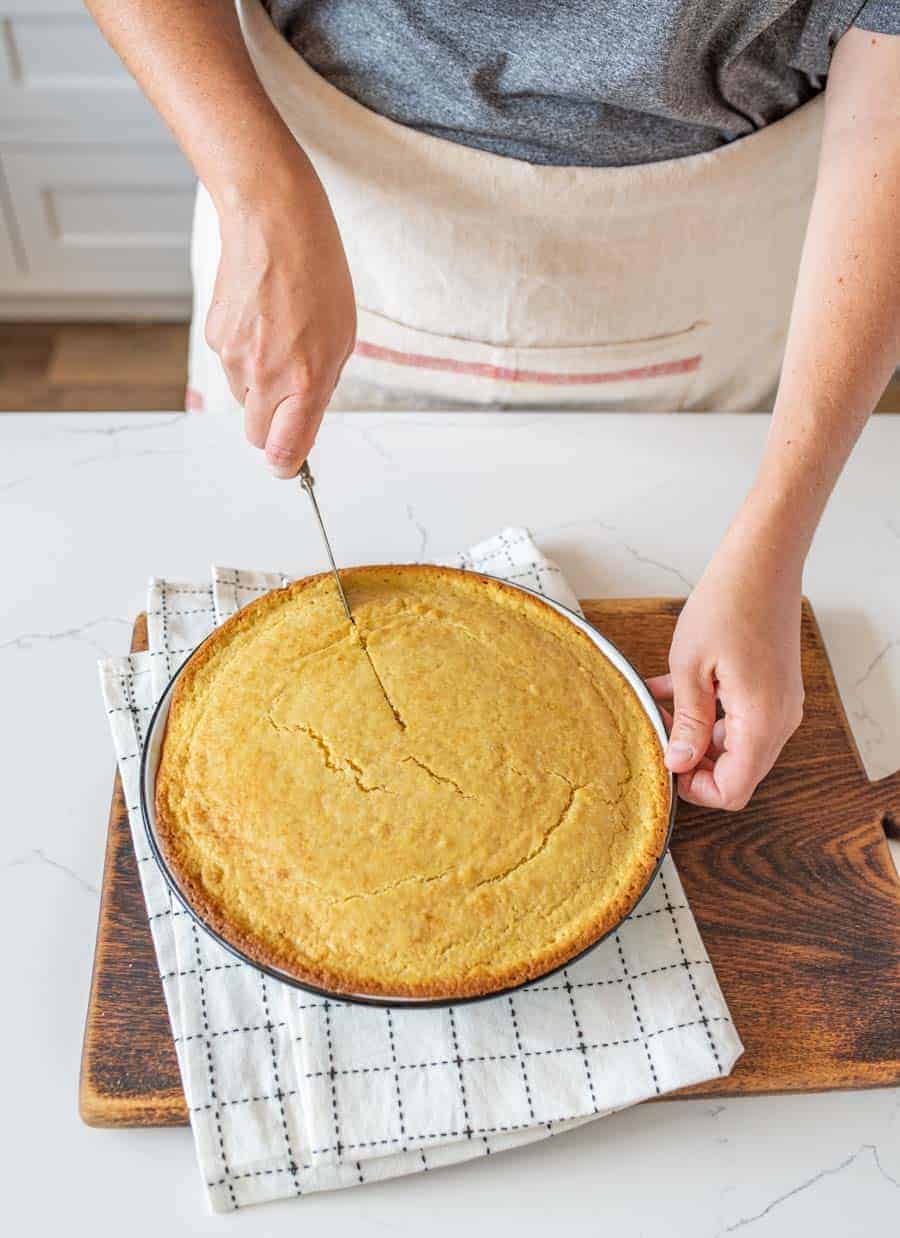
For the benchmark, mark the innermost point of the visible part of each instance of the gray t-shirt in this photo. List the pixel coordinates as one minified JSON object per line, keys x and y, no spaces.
{"x":600,"y":83}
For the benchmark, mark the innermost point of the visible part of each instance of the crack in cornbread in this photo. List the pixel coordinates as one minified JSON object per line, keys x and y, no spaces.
{"x":455,"y":796}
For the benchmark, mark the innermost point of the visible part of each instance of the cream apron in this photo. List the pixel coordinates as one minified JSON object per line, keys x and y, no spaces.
{"x":485,"y":279}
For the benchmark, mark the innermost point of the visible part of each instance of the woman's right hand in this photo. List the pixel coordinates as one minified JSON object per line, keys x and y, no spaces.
{"x":283,"y":314}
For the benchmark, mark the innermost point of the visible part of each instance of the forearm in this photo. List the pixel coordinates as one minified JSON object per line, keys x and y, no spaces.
{"x":282,"y":315}
{"x":191,"y":62}
{"x":844,"y":337}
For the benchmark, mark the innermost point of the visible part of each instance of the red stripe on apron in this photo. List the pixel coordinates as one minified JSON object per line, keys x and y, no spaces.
{"x":479,"y":369}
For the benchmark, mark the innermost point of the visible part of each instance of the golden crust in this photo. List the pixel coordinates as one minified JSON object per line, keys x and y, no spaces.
{"x":458,"y":799}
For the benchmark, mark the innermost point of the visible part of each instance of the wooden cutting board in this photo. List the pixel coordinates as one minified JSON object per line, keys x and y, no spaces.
{"x":796,"y":897}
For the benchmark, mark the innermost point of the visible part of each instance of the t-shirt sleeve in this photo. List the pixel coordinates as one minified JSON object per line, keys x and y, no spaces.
{"x":879,"y":16}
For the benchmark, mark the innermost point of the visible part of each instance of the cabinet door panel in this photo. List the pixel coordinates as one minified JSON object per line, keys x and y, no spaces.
{"x":59,"y":79}
{"x":101,"y":219}
{"x":10,"y":271}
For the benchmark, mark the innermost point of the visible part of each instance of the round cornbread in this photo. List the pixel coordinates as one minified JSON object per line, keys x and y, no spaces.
{"x":455,"y":797}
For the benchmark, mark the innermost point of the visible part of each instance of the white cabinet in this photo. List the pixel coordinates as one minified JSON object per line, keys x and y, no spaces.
{"x":95,"y":197}
{"x":99,"y":218}
{"x":9,"y":259}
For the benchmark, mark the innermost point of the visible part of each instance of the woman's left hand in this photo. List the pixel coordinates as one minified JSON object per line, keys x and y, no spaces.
{"x":736,"y":646}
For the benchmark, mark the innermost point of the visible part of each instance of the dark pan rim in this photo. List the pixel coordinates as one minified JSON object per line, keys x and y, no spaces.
{"x":401,"y":1003}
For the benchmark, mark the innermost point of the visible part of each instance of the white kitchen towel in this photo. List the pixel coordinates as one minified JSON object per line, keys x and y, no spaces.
{"x":289,"y":1093}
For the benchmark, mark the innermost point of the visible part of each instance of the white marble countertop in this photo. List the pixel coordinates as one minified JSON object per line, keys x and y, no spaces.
{"x":91,"y":505}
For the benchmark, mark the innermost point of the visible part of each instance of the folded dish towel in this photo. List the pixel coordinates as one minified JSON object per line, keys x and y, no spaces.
{"x":290,"y":1093}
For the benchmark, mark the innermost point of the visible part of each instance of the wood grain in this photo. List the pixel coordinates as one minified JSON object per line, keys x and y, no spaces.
{"x":129,"y":1073}
{"x":796,"y":897}
{"x":95,"y":367}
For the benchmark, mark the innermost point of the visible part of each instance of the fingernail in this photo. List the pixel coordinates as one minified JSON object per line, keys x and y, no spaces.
{"x":677,"y":752}
{"x":282,"y":471}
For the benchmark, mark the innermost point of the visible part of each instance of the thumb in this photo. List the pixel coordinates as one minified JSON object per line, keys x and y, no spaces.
{"x":693,"y":717}
{"x":291,"y":434}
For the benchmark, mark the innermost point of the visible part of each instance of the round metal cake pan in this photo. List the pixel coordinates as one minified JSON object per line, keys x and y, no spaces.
{"x":150,"y":763}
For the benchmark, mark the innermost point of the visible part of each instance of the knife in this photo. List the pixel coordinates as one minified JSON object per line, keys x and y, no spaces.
{"x":307,"y":481}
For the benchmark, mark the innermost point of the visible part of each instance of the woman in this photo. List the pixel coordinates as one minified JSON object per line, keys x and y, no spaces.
{"x":597,"y":203}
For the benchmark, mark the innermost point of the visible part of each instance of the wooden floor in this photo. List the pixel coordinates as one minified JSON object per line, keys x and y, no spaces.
{"x":119,"y":366}
{"x":95,"y":366}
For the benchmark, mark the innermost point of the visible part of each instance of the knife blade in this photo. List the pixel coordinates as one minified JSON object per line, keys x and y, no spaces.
{"x":307,"y":481}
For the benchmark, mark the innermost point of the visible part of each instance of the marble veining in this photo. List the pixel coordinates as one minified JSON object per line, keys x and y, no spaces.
{"x":869,"y":1149}
{"x":37,"y":856}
